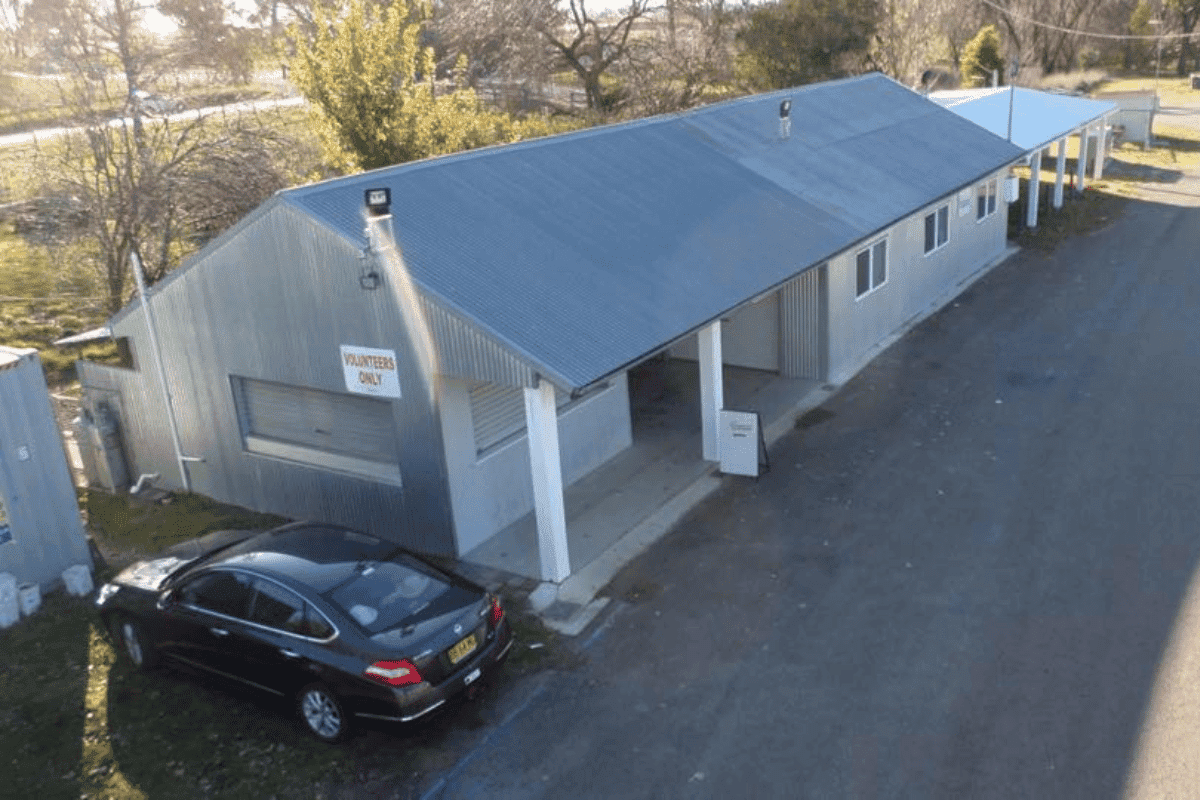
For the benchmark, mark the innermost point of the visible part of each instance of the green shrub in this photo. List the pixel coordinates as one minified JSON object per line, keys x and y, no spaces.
{"x":981,"y":56}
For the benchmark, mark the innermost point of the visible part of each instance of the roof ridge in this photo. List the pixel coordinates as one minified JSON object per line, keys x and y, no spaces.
{"x":583,"y":133}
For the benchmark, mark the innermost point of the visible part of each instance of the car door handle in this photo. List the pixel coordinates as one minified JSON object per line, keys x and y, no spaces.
{"x":289,"y":653}
{"x":219,"y":632}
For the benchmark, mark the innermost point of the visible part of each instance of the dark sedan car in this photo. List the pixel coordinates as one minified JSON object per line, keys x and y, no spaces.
{"x":342,"y":622}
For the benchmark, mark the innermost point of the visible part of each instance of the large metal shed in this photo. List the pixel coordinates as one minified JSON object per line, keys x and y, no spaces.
{"x":41,"y":533}
{"x":438,"y":373}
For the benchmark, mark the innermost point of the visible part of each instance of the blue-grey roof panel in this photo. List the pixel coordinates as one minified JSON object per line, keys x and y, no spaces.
{"x":1031,"y":118}
{"x":586,"y":252}
{"x":866,"y":149}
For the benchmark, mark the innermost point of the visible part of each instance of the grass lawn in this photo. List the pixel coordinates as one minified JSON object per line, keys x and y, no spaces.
{"x":18,"y":179}
{"x":1170,"y":88}
{"x":46,"y":293}
{"x":76,"y":721}
{"x":1129,"y":168}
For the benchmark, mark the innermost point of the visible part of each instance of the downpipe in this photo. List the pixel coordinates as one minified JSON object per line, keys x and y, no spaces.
{"x":143,"y":481}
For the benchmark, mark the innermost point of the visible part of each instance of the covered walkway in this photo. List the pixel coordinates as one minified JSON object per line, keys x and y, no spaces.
{"x":1034,"y":121}
{"x":611,"y":501}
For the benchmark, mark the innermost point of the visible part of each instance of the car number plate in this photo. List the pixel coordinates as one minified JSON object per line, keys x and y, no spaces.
{"x":462,"y":649}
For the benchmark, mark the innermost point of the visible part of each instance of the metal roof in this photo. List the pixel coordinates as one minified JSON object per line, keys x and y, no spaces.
{"x":11,"y":356}
{"x":1038,"y":118}
{"x":94,"y":335}
{"x":587,"y":252}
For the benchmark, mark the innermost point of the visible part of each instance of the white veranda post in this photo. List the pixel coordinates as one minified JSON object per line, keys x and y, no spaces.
{"x":712,"y":388}
{"x":1060,"y":170}
{"x":1081,"y":162}
{"x":1035,"y":189}
{"x":541,"y":421}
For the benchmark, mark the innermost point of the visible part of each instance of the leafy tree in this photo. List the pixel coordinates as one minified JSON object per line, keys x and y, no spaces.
{"x":371,"y":84}
{"x":1188,"y":12}
{"x":209,"y":39}
{"x":980,"y":56}
{"x":1138,"y":53}
{"x":802,"y":41}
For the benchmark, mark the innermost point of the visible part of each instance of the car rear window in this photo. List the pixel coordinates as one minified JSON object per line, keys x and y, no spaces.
{"x":389,"y":594}
{"x":318,"y":544}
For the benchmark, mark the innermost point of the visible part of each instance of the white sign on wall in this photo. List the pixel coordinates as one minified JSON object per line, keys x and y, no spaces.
{"x":965,"y":198}
{"x":369,"y":370}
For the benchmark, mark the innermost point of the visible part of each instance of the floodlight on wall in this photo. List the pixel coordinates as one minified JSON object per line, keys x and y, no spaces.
{"x":379,"y":205}
{"x":378,"y":201}
{"x":785,"y":120}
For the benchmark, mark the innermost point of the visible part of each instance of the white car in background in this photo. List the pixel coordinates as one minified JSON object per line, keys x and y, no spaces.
{"x":155,"y":104}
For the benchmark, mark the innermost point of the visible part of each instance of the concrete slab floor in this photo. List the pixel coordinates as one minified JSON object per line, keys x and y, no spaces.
{"x":662,"y":463}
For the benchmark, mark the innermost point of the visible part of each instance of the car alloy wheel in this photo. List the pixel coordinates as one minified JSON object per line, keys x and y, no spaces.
{"x":134,"y":644}
{"x":322,"y":713}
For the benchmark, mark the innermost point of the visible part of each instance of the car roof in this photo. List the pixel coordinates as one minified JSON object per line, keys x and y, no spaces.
{"x":316,"y":555}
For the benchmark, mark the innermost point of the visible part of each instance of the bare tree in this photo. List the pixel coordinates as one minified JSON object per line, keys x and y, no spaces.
{"x":913,"y":35}
{"x":1053,"y":45}
{"x":960,"y":23}
{"x":12,"y":23}
{"x":1188,"y":14}
{"x":590,"y":47}
{"x":499,"y":38}
{"x":56,"y":28}
{"x":665,"y":73}
{"x":118,"y":32}
{"x":208,"y":38}
{"x":154,"y":186}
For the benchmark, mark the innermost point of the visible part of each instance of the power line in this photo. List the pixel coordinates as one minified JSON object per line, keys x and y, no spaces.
{"x":1092,"y":34}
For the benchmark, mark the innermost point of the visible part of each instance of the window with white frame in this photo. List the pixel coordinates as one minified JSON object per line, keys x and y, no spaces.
{"x":937,"y":228}
{"x":985,"y":199}
{"x":871,"y":264}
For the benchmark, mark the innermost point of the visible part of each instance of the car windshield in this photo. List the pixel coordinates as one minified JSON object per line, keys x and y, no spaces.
{"x":390,"y":594}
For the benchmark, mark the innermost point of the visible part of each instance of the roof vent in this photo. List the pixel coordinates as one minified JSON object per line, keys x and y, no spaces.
{"x":785,"y":122}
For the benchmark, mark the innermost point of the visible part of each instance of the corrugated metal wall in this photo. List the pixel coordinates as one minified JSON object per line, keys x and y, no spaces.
{"x":463,"y":351}
{"x":280,"y":320}
{"x":35,"y":482}
{"x":804,"y":325}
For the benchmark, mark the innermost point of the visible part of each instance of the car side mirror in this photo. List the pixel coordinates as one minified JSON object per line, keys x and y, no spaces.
{"x":165,"y":599}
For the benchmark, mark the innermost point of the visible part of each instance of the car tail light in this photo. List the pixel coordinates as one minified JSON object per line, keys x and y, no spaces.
{"x":393,"y":673}
{"x":497,"y":610}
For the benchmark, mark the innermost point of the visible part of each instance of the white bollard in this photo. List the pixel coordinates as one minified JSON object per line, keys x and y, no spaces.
{"x":30,"y":596}
{"x":8,"y":601}
{"x":78,"y":580}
